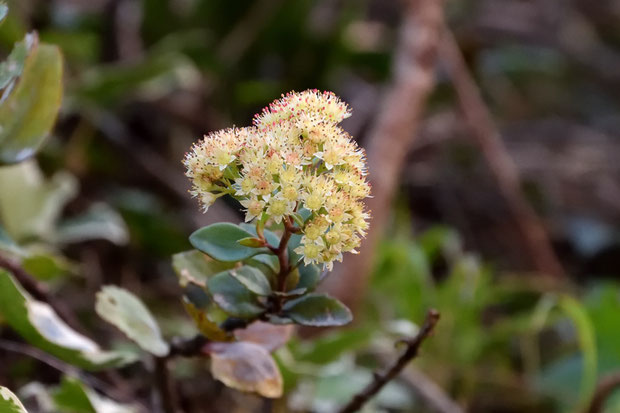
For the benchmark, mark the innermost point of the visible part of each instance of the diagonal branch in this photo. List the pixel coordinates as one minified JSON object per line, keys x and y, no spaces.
{"x":381,"y":379}
{"x":604,"y":390}
{"x":480,"y":121}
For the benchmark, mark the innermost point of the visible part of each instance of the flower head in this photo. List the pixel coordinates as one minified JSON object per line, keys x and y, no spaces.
{"x":296,"y":158}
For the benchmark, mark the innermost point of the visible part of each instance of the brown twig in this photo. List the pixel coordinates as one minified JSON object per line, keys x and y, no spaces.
{"x":165,"y":386}
{"x":479,"y":119}
{"x":605,"y":388}
{"x":40,"y":292}
{"x":392,"y":135}
{"x":381,"y":379}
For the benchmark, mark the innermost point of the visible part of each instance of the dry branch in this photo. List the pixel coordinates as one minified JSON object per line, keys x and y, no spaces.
{"x":479,"y":119}
{"x":393,"y":134}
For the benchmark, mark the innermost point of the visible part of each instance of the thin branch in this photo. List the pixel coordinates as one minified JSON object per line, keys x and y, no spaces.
{"x":605,"y":388}
{"x":40,"y":292}
{"x":381,"y":379}
{"x":165,"y":386}
{"x":480,"y":121}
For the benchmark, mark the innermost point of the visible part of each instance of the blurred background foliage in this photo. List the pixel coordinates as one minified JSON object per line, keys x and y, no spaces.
{"x":105,"y":200}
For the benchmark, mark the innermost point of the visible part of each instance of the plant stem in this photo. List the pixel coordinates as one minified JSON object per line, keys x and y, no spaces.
{"x":165,"y":386}
{"x":380,"y":380}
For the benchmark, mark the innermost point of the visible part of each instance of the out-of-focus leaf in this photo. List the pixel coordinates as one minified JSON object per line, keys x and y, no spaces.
{"x":194,"y":266}
{"x":319,"y":310}
{"x":4,"y":10}
{"x":46,"y":265}
{"x":252,"y":279}
{"x":125,"y":311}
{"x":9,"y":403}
{"x":30,"y":205}
{"x":38,"y":324}
{"x":207,"y":327}
{"x":13,"y":66}
{"x":152,"y":78}
{"x":99,"y":222}
{"x":232,"y":297}
{"x":268,"y":335}
{"x":7,"y":243}
{"x":29,"y":112}
{"x":220,"y":241}
{"x":75,"y":397}
{"x":587,"y":342}
{"x":247,"y":367}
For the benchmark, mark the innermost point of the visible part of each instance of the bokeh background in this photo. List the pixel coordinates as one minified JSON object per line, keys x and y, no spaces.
{"x":530,"y":323}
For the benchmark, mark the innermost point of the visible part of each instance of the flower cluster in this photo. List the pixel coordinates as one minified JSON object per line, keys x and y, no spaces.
{"x":295,"y":162}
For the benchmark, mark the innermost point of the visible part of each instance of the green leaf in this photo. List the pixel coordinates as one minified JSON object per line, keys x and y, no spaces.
{"x":31,"y":204}
{"x":270,"y":236}
{"x":247,"y":367}
{"x":29,"y":112}
{"x":319,"y":310}
{"x":38,"y":324}
{"x":309,"y":277}
{"x":587,"y":342}
{"x":220,"y":241}
{"x":9,"y":403}
{"x":232,"y":296}
{"x":100,"y":221}
{"x":194,"y":266}
{"x":204,"y":324}
{"x":13,"y":66}
{"x":74,"y":396}
{"x":125,"y":311}
{"x":252,"y":279}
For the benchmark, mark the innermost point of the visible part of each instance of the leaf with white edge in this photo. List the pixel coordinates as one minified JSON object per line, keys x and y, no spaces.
{"x":39,"y":325}
{"x":195,"y":266}
{"x":268,"y":335}
{"x":220,"y":241}
{"x":247,"y":367}
{"x":232,"y":297}
{"x":318,"y":310}
{"x":125,"y":311}
{"x":13,"y":66}
{"x":30,"y":110}
{"x":9,"y":403}
{"x":74,"y":396}
{"x":4,"y":10}
{"x":252,"y":279}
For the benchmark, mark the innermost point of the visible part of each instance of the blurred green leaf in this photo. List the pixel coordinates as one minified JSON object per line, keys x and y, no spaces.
{"x":309,"y":276}
{"x":252,"y":279}
{"x":232,"y":297}
{"x":73,"y":396}
{"x":100,"y":221}
{"x":247,"y":367}
{"x":319,"y":310}
{"x":38,"y":324}
{"x":29,"y":112}
{"x":201,"y":319}
{"x":7,"y":243}
{"x":47,"y":266}
{"x":11,"y":69}
{"x":9,"y":403}
{"x":197,"y":267}
{"x":30,"y":205}
{"x":220,"y":241}
{"x":125,"y":311}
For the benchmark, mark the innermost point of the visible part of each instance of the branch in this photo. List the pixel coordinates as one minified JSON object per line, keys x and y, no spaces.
{"x":165,"y":386}
{"x":40,"y":292}
{"x":605,"y":388}
{"x":480,"y":121}
{"x":380,"y":380}
{"x":392,"y":135}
